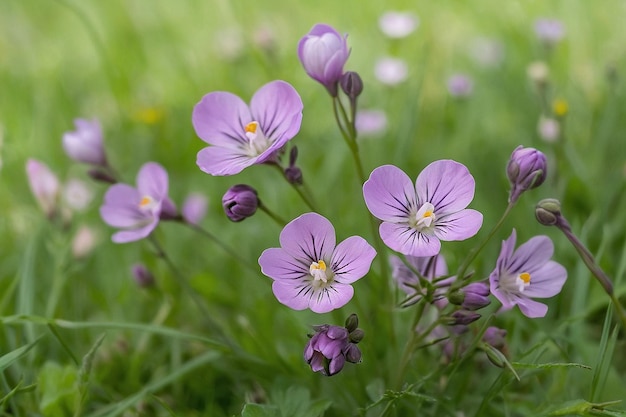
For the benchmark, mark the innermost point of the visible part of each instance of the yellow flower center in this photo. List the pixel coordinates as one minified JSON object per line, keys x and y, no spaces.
{"x":318,"y":271}
{"x":424,"y":218}
{"x":146,"y":203}
{"x":522,"y":281}
{"x":258,"y":142}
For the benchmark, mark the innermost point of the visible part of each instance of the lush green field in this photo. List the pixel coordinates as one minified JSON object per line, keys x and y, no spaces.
{"x":80,"y":337}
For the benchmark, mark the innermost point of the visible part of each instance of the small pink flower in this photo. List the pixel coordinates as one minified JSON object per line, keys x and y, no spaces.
{"x":44,"y":185}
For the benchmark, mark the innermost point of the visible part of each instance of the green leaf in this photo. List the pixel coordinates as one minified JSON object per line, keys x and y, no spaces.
{"x":57,"y":387}
{"x":260,"y":410}
{"x":7,"y":359}
{"x":549,"y":365}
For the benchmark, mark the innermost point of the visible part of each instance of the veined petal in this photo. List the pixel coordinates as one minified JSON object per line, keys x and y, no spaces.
{"x":219,"y":119}
{"x":278,"y":108}
{"x":533,"y":253}
{"x":404,"y":239}
{"x":121,"y":206}
{"x":152,"y":180}
{"x":293,"y":296}
{"x":330,"y":298}
{"x":447,"y":185}
{"x":546,"y":281}
{"x":531,"y":308}
{"x":125,"y":236}
{"x":352,"y":259}
{"x":220,"y":161}
{"x":458,"y":226}
{"x":310,"y":237}
{"x":506,"y":252}
{"x":389,"y":194}
{"x":279,"y":265}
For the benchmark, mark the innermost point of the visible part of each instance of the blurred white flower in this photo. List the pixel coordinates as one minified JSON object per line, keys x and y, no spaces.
{"x":549,"y":30}
{"x":230,"y":44}
{"x":548,"y":129}
{"x":487,"y":52}
{"x":77,"y":194}
{"x":398,"y":24}
{"x":370,"y":122}
{"x":538,"y":72}
{"x":460,"y":85}
{"x":391,"y":71}
{"x":84,"y":242}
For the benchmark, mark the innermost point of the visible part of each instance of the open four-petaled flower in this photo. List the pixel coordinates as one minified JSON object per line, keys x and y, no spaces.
{"x":309,"y":271}
{"x":417,"y":217}
{"x":242,"y":136}
{"x":527,"y":273}
{"x":137,"y":210}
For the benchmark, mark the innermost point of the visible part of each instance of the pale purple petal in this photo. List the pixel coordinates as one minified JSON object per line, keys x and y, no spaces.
{"x":121,"y":206}
{"x":447,"y":185}
{"x":546,"y":281}
{"x":506,"y":252}
{"x":194,"y":208}
{"x":404,"y":239}
{"x":278,"y":109}
{"x":389,"y":194}
{"x":310,"y":237}
{"x":530,"y":255}
{"x":458,"y":226}
{"x":219,"y":119}
{"x":279,"y":265}
{"x":85,"y":144}
{"x":216,"y":160}
{"x":531,"y":308}
{"x":125,"y":236}
{"x":335,"y":296}
{"x":352,"y":259}
{"x":293,"y":296}
{"x":152,"y":181}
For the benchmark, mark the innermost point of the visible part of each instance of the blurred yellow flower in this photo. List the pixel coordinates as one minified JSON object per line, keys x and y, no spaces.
{"x":149,"y":115}
{"x":560,"y":107}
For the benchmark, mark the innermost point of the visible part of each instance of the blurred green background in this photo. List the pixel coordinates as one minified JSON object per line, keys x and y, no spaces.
{"x":140,"y":66}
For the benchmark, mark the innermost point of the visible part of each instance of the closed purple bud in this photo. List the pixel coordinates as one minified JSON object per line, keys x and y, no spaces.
{"x":240,"y":202}
{"x":464,"y":317}
{"x":101,"y":176}
{"x":323,"y":52}
{"x":476,"y":296}
{"x":142,"y":276}
{"x":351,"y":84}
{"x":526,"y":170}
{"x":329,"y":348}
{"x":495,"y":337}
{"x":352,"y":353}
{"x":85,"y":143}
{"x":352,"y":322}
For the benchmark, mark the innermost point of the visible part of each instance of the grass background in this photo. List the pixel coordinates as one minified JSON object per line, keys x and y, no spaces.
{"x":140,"y":66}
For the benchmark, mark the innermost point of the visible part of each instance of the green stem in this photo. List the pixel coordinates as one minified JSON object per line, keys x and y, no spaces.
{"x":461,"y":279}
{"x":230,"y":251}
{"x":272,"y":215}
{"x":306,"y":197}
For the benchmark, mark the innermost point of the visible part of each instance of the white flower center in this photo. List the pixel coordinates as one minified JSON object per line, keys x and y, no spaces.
{"x":424,"y":218}
{"x":522,"y":281}
{"x":258,"y":142}
{"x":321,"y":275}
{"x":147,"y":203}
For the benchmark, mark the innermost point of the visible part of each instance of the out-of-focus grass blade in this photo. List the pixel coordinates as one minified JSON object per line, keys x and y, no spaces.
{"x":119,"y":408}
{"x":549,"y":365}
{"x":605,"y":353}
{"x":7,"y":359}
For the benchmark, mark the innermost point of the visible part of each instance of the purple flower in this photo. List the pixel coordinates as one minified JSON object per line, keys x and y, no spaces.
{"x":460,"y":85}
{"x":137,"y":210}
{"x":549,"y":31}
{"x":416,"y":218}
{"x":476,"y":296}
{"x":526,"y":170}
{"x":240,"y":202}
{"x":142,"y":275}
{"x":429,"y":267}
{"x":323,"y":52}
{"x":330,"y":347}
{"x":527,"y":273}
{"x":309,"y":271}
{"x":44,"y":185}
{"x":194,"y":208}
{"x":85,"y":143}
{"x":242,"y":136}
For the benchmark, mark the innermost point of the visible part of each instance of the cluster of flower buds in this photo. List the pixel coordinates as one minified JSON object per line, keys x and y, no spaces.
{"x":331,"y":347}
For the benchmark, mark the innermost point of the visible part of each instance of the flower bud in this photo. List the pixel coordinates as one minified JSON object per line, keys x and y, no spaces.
{"x":476,"y":296}
{"x":101,"y":176}
{"x":352,"y":322}
{"x":494,"y":336}
{"x":194,"y":208}
{"x":142,"y":276}
{"x":240,"y":202}
{"x":526,"y":170}
{"x":351,"y":84}
{"x":323,"y":52}
{"x":463,"y":317}
{"x":548,"y":211}
{"x":85,"y":143}
{"x":292,"y":172}
{"x":352,"y":353}
{"x":44,"y":185}
{"x":357,"y":335}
